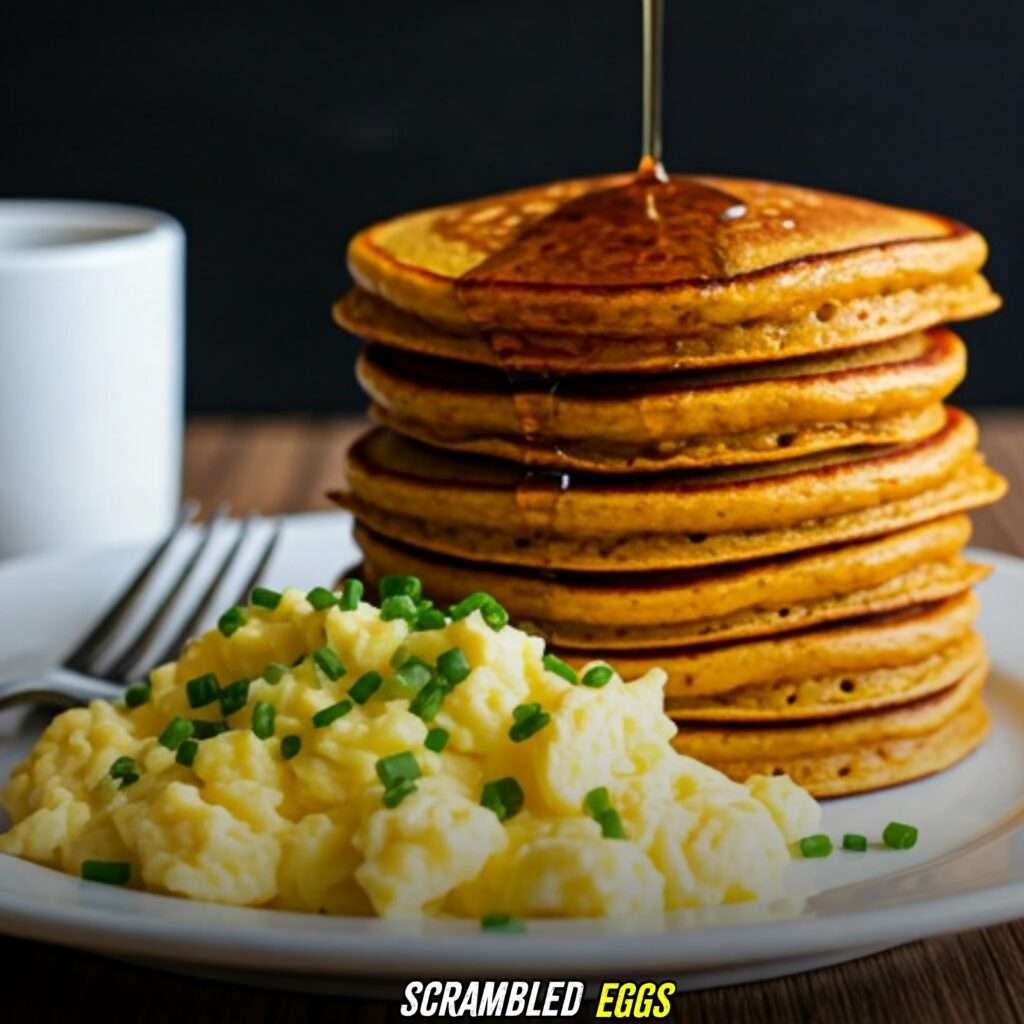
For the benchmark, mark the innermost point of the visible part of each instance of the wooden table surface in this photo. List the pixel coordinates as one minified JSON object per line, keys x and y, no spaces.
{"x":284,"y":466}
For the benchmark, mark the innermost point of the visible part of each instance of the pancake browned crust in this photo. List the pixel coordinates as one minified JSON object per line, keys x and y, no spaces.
{"x":487,"y":510}
{"x":541,"y":260}
{"x":832,"y":326}
{"x":854,"y":754}
{"x":671,"y":609}
{"x":836,"y":694}
{"x":879,"y":394}
{"x":883,"y":641}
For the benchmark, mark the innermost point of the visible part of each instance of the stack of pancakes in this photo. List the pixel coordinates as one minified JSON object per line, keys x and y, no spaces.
{"x":694,"y":423}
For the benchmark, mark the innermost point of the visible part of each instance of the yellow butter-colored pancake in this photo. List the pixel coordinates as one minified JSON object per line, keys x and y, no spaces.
{"x":879,"y":394}
{"x":636,"y":610}
{"x":883,"y":641}
{"x":626,"y":256}
{"x":856,"y":754}
{"x":491,"y":511}
{"x":837,"y":693}
{"x":830,"y":326}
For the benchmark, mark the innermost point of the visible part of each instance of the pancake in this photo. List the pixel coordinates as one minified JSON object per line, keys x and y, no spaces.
{"x":667,"y":609}
{"x":838,"y":693}
{"x":486,"y":510}
{"x":562,"y":259}
{"x":855,"y":754}
{"x":879,"y":394}
{"x":882,"y":641}
{"x":832,"y":326}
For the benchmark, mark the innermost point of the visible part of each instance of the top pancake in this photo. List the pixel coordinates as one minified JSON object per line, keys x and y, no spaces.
{"x":627,"y":258}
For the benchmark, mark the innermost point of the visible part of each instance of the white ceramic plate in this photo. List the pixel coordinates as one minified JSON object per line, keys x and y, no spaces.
{"x":966,"y":871}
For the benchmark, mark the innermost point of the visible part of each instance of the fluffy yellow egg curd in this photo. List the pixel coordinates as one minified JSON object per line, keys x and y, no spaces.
{"x":316,"y":753}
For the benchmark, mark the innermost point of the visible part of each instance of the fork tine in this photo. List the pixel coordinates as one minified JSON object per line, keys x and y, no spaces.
{"x":118,"y":672}
{"x":99,"y":635}
{"x":261,"y":565}
{"x":174,"y":645}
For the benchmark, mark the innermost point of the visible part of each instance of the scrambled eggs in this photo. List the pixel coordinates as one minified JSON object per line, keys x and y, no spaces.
{"x":317,"y":754}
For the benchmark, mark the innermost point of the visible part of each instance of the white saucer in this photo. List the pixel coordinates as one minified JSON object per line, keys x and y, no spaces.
{"x":966,"y":871}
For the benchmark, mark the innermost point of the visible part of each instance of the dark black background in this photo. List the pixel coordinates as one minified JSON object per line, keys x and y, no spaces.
{"x":275,"y":130}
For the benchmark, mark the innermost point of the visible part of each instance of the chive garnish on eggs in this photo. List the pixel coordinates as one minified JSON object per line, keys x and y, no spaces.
{"x":555,"y":664}
{"x":231,"y":621}
{"x":202,"y":690}
{"x":109,"y":872}
{"x":264,"y":597}
{"x":179,"y":730}
{"x":329,"y":663}
{"x":351,"y":595}
{"x":437,"y":740}
{"x":321,"y":599}
{"x":326,"y":716}
{"x":263,"y":718}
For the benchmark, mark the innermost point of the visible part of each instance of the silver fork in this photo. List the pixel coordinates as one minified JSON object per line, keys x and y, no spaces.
{"x":84,"y":675}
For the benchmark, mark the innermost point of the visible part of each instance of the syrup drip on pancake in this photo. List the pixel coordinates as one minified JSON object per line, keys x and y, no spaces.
{"x":652,"y":229}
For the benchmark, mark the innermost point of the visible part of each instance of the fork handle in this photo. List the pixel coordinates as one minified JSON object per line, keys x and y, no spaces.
{"x":59,"y":687}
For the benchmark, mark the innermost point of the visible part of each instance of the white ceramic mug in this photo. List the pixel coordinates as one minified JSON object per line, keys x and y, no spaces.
{"x":91,"y":364}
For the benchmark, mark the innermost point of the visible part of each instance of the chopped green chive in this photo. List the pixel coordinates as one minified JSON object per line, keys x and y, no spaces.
{"x":398,"y":586}
{"x":529,"y":720}
{"x":816,"y":846}
{"x":398,"y":606}
{"x":231,"y":621}
{"x":598,"y":676}
{"x":275,"y":672}
{"x":329,"y":663}
{"x":490,"y":610}
{"x":469,"y":604}
{"x":504,"y":797}
{"x":552,"y":663}
{"x":597,"y":801}
{"x":502,"y":923}
{"x":187,"y":753}
{"x":263,"y":717}
{"x":397,"y":768}
{"x":853,"y":841}
{"x":351,"y":595}
{"x":321,"y":599}
{"x":598,"y":805}
{"x":401,"y":656}
{"x":179,"y":730}
{"x":138,"y":694}
{"x":898,"y":836}
{"x":414,"y":673}
{"x":365,"y":687}
{"x":611,"y":824}
{"x":234,"y":697}
{"x":453,"y":666}
{"x":264,"y":597}
{"x":290,"y":746}
{"x":428,"y":701}
{"x":437,"y":740}
{"x":324,"y":717}
{"x":125,"y":771}
{"x":109,"y":872}
{"x":202,"y":690}
{"x":494,"y":615}
{"x":428,"y":618}
{"x":395,"y":794}
{"x":203,"y":730}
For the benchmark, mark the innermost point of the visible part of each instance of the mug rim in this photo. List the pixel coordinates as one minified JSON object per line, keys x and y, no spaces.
{"x":140,"y":227}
